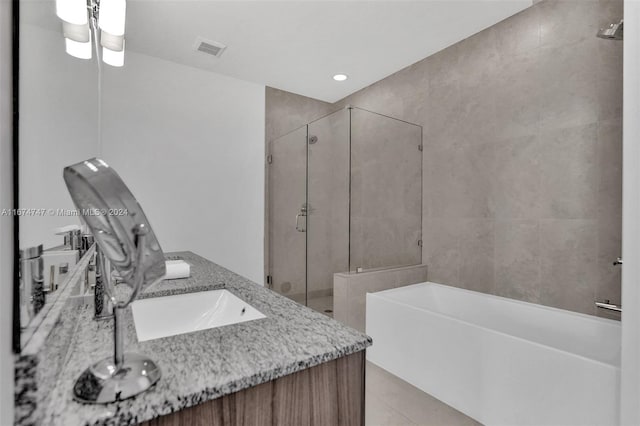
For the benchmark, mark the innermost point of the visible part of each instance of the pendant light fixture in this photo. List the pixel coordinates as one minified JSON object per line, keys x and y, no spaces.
{"x":87,"y":21}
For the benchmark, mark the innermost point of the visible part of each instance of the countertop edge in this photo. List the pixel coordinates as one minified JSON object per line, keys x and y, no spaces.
{"x":211,"y":394}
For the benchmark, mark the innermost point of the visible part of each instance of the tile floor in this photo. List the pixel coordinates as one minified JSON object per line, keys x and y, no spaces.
{"x":322,"y":305}
{"x":391,"y":401}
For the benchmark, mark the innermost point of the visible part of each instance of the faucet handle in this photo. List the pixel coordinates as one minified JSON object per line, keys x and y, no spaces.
{"x":617,"y":262}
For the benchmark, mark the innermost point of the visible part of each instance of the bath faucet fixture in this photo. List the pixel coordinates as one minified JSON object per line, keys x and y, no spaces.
{"x":613,"y":31}
{"x":609,"y":306}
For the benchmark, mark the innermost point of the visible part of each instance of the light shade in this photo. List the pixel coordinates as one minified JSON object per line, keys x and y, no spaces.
{"x":72,"y":11}
{"x":75,"y":32}
{"x":112,"y":16}
{"x":113,"y":57}
{"x":78,"y":49}
{"x":111,"y":42}
{"x":340,"y":77}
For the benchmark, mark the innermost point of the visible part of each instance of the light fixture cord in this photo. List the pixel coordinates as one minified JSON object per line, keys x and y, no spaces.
{"x":94,"y":10}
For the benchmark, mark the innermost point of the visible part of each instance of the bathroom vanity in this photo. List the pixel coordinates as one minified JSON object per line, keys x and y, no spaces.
{"x":292,"y":367}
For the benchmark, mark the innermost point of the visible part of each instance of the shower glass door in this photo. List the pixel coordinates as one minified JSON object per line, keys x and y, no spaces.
{"x":386,"y":191}
{"x":309,"y":210}
{"x":328,"y":202}
{"x":345,"y":194}
{"x":287,"y":215}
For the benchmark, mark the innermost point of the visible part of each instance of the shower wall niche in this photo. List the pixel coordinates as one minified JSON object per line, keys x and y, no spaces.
{"x":344,"y":194}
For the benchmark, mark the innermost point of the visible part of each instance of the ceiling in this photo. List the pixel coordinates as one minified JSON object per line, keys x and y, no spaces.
{"x":298,"y":46}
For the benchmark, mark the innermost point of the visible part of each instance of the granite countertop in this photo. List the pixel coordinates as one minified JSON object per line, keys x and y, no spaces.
{"x":206,"y":364}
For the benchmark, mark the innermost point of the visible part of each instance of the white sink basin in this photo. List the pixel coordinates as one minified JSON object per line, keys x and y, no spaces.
{"x":184,"y":313}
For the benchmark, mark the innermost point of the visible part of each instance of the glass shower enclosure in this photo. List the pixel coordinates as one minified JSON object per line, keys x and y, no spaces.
{"x":344,"y":195}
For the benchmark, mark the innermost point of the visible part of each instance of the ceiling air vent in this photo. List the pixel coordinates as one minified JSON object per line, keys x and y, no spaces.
{"x":210,"y":47}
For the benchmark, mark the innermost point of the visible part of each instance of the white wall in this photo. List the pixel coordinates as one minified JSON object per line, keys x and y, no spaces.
{"x":630,"y":392}
{"x":6,"y":226}
{"x":190,"y":145}
{"x":58,"y":127}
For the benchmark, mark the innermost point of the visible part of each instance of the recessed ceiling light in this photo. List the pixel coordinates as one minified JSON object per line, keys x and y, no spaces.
{"x":340,"y":77}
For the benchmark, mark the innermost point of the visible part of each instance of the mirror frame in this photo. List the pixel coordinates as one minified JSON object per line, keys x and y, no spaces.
{"x":15,"y":68}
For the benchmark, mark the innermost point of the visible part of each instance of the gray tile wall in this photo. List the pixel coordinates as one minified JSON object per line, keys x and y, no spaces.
{"x":523,"y":150}
{"x":287,"y":111}
{"x":522,"y":154}
{"x":350,"y":290}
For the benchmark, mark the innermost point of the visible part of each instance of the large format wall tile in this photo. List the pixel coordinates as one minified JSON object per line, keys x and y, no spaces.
{"x":518,"y":34}
{"x":476,"y":121}
{"x":286,"y":112}
{"x":568,"y":260}
{"x":476,"y":246}
{"x":442,"y":113}
{"x":517,"y":115}
{"x":569,"y":171}
{"x":566,"y":22}
{"x":517,"y":259}
{"x":441,"y":251}
{"x":444,"y":66}
{"x":568,"y":85}
{"x":478,"y":59}
{"x":459,"y":179}
{"x":517,"y":178}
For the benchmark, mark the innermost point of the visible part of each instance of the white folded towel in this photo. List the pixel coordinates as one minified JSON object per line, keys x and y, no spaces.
{"x":177,"y":269}
{"x":64,"y":229}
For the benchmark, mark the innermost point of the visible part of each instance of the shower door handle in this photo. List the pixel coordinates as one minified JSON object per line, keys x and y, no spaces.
{"x":298,"y":227}
{"x":303,"y":213}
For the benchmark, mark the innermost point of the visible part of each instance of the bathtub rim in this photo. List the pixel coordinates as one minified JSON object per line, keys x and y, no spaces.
{"x":380,"y":295}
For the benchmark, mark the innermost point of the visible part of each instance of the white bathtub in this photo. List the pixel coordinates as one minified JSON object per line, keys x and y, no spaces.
{"x":500,"y":361}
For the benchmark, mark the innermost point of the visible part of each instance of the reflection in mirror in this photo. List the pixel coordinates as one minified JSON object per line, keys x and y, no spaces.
{"x":58,"y":124}
{"x":186,"y":138}
{"x":60,"y":99}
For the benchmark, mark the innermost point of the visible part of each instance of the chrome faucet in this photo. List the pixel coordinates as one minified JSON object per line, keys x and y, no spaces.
{"x":609,"y":306}
{"x":607,"y":303}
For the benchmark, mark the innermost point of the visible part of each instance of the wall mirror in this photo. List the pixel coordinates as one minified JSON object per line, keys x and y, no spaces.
{"x":169,"y":101}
